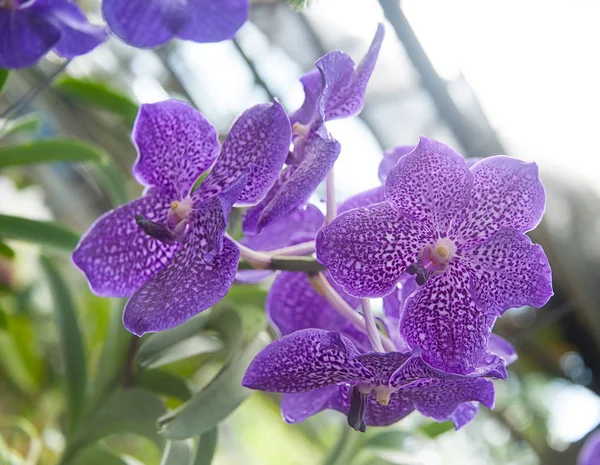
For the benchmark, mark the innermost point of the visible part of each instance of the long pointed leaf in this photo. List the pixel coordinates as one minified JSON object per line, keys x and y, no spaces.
{"x":49,"y":151}
{"x":206,"y":446}
{"x":44,"y":233}
{"x":70,"y":340}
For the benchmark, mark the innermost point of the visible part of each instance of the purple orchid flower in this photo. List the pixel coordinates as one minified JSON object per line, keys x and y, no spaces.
{"x":334,"y":90}
{"x":31,"y":28}
{"x":460,"y":231}
{"x":149,"y":23}
{"x":167,"y":249}
{"x":590,"y":452}
{"x":319,"y":369}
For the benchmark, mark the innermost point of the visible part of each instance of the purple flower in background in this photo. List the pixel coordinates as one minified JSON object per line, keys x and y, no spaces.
{"x":149,"y":23}
{"x":461,"y":233}
{"x":334,"y":90}
{"x":166,"y":249}
{"x":30,"y":29}
{"x":319,"y":369}
{"x":590,"y":452}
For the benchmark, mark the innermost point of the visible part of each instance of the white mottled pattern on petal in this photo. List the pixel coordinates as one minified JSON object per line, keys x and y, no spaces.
{"x":506,"y":193}
{"x":367,"y":249}
{"x":430,"y":184}
{"x":116,"y":255}
{"x":175,"y":144}
{"x":442,"y":320}
{"x":261,"y":136}
{"x":187,"y":286}
{"x":509,"y":271}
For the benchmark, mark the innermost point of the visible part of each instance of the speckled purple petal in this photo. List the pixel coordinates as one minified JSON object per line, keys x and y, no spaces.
{"x":463,"y":414}
{"x":252,"y":276}
{"x":344,"y":90}
{"x":509,"y":271}
{"x":442,"y":320}
{"x":187,"y":286}
{"x":261,"y":136}
{"x":145,"y":23}
{"x":175,"y":145}
{"x":506,"y":193}
{"x":321,"y":152}
{"x":312,"y":82}
{"x":362,"y":199}
{"x":430,"y":184}
{"x":77,"y":35}
{"x":437,"y":394}
{"x":590,"y":452}
{"x":116,"y":256}
{"x":393,"y":303}
{"x":500,"y":346}
{"x":305,"y":360}
{"x":301,"y":225}
{"x":293,"y":304}
{"x":25,"y":37}
{"x":367,"y":249}
{"x":298,"y":407}
{"x":390,"y":159}
{"x":211,"y":21}
{"x":383,"y":365}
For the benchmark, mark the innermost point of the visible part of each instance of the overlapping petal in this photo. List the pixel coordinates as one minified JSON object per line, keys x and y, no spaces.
{"x":506,"y":193}
{"x":210,"y":21}
{"x":261,"y":136}
{"x":443,"y":321}
{"x":77,"y":35}
{"x":362,"y":199}
{"x":116,"y":255}
{"x":175,"y":144}
{"x":390,"y":159}
{"x":188,"y":285}
{"x":312,"y":82}
{"x":500,"y":346}
{"x":366,"y":250}
{"x":305,"y":360}
{"x":344,"y":87}
{"x":300,"y":180}
{"x":463,"y":414}
{"x":25,"y":37}
{"x":292,"y":304}
{"x":590,"y":452}
{"x":509,"y":271}
{"x":299,"y":406}
{"x":430,"y":185}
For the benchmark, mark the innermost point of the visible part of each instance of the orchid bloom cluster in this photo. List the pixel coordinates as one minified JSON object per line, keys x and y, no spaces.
{"x":31,"y":28}
{"x":441,"y":240}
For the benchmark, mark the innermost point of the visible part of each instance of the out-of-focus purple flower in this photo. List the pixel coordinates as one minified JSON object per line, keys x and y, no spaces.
{"x":319,"y":369}
{"x":149,"y":23}
{"x":30,"y":29}
{"x":167,"y":249}
{"x":334,"y":90}
{"x":590,"y":452}
{"x":461,"y":233}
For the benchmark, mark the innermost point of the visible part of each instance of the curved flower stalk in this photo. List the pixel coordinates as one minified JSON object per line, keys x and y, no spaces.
{"x":30,"y":29}
{"x":149,"y":23}
{"x":334,"y":90}
{"x":167,"y":250}
{"x":460,"y":232}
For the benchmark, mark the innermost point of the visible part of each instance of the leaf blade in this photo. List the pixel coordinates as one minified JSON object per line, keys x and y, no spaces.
{"x":45,"y":233}
{"x":49,"y":151}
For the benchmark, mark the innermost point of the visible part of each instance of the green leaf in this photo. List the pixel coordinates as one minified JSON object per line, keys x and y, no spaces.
{"x":70,"y":341}
{"x":3,"y":319}
{"x":176,"y":452}
{"x":49,"y":151}
{"x":100,"y":96}
{"x":299,"y":5}
{"x":44,"y":233}
{"x":387,"y":440}
{"x":125,"y":411}
{"x":205,"y":448}
{"x":114,"y":183}
{"x":3,"y":78}
{"x":168,"y":346}
{"x":434,"y":429}
{"x":98,"y":455}
{"x":214,"y":403}
{"x":113,"y":356}
{"x":162,"y":382}
{"x":346,"y":448}
{"x":6,"y":251}
{"x":25,"y":124}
